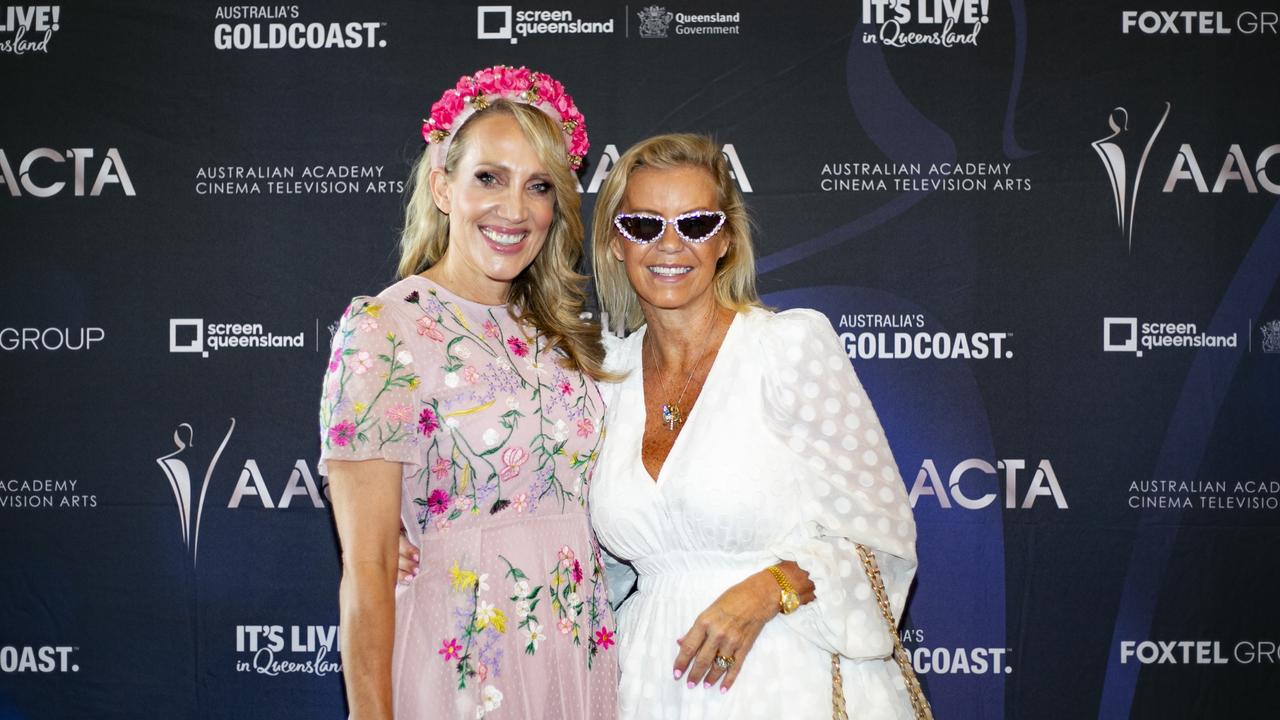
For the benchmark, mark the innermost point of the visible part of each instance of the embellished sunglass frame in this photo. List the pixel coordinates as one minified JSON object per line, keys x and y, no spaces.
{"x":675,"y":221}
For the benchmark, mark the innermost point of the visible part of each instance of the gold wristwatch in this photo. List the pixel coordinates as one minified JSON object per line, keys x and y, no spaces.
{"x":788,"y":600}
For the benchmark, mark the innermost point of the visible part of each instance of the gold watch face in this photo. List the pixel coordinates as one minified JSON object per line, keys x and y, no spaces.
{"x":790,"y":601}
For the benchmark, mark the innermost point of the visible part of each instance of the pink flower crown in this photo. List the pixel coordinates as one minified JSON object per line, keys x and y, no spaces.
{"x":475,"y":92}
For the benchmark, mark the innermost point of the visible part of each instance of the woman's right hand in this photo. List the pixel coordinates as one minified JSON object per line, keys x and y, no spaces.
{"x":407,"y":561}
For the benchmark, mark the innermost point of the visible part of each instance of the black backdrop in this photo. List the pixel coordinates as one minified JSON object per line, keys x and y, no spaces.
{"x":1086,"y":192}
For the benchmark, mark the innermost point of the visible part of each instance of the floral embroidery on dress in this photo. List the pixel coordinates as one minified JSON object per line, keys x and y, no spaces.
{"x":486,"y":420}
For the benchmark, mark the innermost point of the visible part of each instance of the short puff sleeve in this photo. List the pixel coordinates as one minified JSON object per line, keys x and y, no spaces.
{"x":369,"y":408}
{"x":850,"y":489}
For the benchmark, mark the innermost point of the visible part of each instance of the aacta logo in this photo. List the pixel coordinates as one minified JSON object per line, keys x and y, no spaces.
{"x":970,"y":477}
{"x":610,"y":157}
{"x":44,"y":172}
{"x":251,"y":483}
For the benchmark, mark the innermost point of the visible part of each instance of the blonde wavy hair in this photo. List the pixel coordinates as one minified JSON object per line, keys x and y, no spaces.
{"x":550,"y":293}
{"x":735,"y":279}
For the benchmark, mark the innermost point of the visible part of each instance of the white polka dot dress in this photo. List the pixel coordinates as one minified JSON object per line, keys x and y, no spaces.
{"x":781,"y":458}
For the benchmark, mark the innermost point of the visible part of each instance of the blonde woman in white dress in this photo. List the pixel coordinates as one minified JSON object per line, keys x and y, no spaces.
{"x":743,"y":461}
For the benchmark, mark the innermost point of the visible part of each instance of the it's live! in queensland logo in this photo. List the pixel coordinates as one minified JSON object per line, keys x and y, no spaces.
{"x":900,"y":23}
{"x":28,"y":28}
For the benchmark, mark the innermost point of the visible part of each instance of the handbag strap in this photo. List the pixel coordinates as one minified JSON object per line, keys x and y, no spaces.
{"x":919,"y":703}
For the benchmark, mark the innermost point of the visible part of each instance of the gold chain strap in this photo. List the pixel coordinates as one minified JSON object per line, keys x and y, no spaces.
{"x":919,"y":704}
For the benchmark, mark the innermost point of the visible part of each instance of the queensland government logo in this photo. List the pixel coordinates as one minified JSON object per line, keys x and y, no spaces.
{"x":32,"y":27}
{"x":1270,"y":336}
{"x":190,"y":499}
{"x":654,"y":21}
{"x":946,"y":23}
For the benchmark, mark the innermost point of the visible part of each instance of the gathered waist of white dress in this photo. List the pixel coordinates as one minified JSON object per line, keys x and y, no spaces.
{"x":701,"y":562}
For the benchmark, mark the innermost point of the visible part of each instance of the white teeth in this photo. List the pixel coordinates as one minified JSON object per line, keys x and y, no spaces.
{"x":503,"y":238}
{"x":669,"y":271}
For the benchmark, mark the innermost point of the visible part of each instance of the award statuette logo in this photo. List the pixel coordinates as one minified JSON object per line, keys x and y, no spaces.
{"x":180,"y":479}
{"x":1115,"y":151}
{"x":654,"y":21}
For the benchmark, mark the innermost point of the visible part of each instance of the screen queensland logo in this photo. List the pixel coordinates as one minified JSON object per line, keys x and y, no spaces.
{"x":28,"y":28}
{"x":1135,"y":337}
{"x":285,"y":27}
{"x":513,"y":24}
{"x":875,"y":336}
{"x":195,"y":336}
{"x":945,"y":23}
{"x":252,"y":489}
{"x":288,"y":650}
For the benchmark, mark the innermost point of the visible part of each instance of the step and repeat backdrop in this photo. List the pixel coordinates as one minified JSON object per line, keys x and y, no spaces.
{"x":1047,"y":234}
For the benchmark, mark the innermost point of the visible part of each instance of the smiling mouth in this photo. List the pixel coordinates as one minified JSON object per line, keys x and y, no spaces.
{"x":670,"y":270}
{"x":504,"y":238}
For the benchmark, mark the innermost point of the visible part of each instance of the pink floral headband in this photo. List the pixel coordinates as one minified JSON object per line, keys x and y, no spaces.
{"x":475,"y":92}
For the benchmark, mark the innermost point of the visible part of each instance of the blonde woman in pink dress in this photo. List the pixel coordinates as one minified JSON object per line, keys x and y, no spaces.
{"x":460,"y":404}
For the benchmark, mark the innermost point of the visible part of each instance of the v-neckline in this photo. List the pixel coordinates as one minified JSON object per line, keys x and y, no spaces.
{"x":695,"y":412}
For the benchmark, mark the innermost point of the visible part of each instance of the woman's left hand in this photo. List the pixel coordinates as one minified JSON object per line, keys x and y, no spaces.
{"x":727,"y":628}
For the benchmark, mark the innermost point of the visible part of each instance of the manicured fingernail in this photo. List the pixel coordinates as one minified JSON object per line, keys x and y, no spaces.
{"x":723,"y":689}
{"x":416,"y":558}
{"x":691,"y":684}
{"x":706,"y":684}
{"x":676,"y":674}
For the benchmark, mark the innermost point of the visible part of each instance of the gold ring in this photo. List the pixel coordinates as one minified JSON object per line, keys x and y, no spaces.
{"x":724,"y":663}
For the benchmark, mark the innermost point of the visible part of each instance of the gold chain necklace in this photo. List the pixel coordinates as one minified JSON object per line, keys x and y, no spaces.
{"x":671,"y":415}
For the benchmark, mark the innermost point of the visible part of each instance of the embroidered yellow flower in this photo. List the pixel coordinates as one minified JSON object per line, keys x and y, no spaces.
{"x":360,"y":408}
{"x":373,"y":309}
{"x":460,"y":579}
{"x":414,"y":382}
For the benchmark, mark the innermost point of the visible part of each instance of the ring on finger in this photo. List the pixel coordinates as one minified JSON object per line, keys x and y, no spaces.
{"x":724,"y":663}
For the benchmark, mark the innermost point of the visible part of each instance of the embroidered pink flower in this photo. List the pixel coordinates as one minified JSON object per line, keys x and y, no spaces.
{"x":440,"y":468}
{"x":520,"y":502}
{"x":342,"y":433}
{"x":482,"y":671}
{"x":438,"y":501}
{"x":565,"y":625}
{"x":428,"y":422}
{"x":586,"y":427}
{"x":399,"y":413}
{"x":336,"y":360}
{"x":450,"y":649}
{"x":577,"y":572}
{"x":519,"y":347}
{"x":367,"y":324}
{"x":512,"y":458}
{"x":490,"y":329}
{"x":430,"y":328}
{"x":566,"y":557}
{"x":565,"y":388}
{"x":443,"y":524}
{"x":604,"y":638}
{"x":361,"y":362}
{"x":471,"y":375}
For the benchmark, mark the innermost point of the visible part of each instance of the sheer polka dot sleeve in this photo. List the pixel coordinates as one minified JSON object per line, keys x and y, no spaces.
{"x":369,"y":407}
{"x":849,"y":486}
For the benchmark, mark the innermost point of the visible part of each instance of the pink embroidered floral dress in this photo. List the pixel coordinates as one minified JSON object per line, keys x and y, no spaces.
{"x":509,"y":617}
